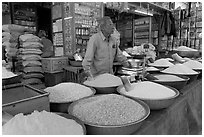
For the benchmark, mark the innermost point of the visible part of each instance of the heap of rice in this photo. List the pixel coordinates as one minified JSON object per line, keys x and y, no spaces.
{"x":41,"y":123}
{"x":168,"y":78}
{"x":179,"y":69}
{"x":7,"y":74}
{"x":161,"y":63}
{"x":149,"y":90}
{"x":193,"y":64}
{"x":68,"y":92}
{"x":152,"y":69}
{"x":104,"y":80}
{"x":184,"y":48}
{"x":111,"y":109}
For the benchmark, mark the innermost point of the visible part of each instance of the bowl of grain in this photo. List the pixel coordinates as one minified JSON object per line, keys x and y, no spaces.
{"x":174,"y":81}
{"x":110,"y":114}
{"x":161,"y":63}
{"x":63,"y":94}
{"x":155,"y":95}
{"x":104,"y":83}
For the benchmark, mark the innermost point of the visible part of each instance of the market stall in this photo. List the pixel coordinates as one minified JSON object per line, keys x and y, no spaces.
{"x":159,"y":93}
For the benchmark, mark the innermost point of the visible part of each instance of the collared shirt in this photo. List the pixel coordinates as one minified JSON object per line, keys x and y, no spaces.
{"x":100,"y":55}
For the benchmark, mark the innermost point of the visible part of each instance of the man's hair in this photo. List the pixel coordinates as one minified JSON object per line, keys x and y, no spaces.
{"x":42,"y":33}
{"x":102,"y":21}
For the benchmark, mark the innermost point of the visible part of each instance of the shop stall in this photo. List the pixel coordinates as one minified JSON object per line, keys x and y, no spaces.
{"x":159,"y":94}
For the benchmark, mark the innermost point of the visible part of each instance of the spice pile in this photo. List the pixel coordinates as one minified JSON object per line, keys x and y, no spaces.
{"x":68,"y":92}
{"x":149,"y":90}
{"x":41,"y":123}
{"x":111,"y":109}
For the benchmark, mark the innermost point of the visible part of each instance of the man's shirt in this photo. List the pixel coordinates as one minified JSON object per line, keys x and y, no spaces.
{"x":100,"y":54}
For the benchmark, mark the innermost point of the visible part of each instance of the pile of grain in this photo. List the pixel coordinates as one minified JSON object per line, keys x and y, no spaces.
{"x":168,"y":78}
{"x":104,"y":80}
{"x":111,"y":109}
{"x":161,"y":63}
{"x":193,"y":64}
{"x":184,"y":48}
{"x":41,"y":123}
{"x":179,"y":69}
{"x":152,"y":69}
{"x":68,"y":92}
{"x":149,"y":90}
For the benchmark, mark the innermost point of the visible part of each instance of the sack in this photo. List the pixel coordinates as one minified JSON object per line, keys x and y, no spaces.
{"x":33,"y":69}
{"x":31,"y":45}
{"x":33,"y":75}
{"x":9,"y":44}
{"x":30,"y":57}
{"x":32,"y":81}
{"x":30,"y":51}
{"x":31,"y":63}
{"x":13,"y":27}
{"x":29,"y":38}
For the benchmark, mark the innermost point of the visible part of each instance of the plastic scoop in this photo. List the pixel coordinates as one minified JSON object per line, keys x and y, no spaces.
{"x":126,"y":83}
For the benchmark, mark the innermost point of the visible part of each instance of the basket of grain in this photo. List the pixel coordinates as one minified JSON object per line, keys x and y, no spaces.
{"x":184,"y":51}
{"x":155,"y":95}
{"x":63,"y":94}
{"x":104,"y":83}
{"x":110,"y":114}
{"x":174,"y":81}
{"x":182,"y":70}
{"x":43,"y":123}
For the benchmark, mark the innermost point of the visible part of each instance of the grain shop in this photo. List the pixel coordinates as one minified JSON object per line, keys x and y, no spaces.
{"x":101,"y":68}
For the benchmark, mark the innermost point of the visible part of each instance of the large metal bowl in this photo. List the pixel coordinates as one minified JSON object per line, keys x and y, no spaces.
{"x":63,"y":106}
{"x":126,"y":129}
{"x":68,"y":116}
{"x":175,"y":84}
{"x":155,"y":104}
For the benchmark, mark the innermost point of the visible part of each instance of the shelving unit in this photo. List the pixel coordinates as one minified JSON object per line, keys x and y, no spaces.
{"x":73,"y":24}
{"x":24,"y":15}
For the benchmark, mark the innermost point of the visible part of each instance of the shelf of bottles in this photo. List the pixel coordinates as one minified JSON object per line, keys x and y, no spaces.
{"x":189,"y":26}
{"x":24,"y":16}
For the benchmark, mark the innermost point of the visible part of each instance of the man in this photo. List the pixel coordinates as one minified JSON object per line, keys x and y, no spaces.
{"x":47,"y":45}
{"x":102,"y":50}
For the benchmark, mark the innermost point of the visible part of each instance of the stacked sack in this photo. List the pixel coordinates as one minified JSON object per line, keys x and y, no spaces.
{"x":10,"y":34}
{"x":30,"y":58}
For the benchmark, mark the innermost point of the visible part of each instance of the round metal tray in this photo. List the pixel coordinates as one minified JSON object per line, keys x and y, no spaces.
{"x":125,"y":129}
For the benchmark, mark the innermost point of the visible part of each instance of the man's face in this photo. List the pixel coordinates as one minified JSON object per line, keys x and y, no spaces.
{"x":109,"y":28}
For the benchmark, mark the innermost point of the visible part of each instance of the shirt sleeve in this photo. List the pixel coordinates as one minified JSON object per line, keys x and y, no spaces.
{"x":89,"y":56}
{"x":120,"y":57}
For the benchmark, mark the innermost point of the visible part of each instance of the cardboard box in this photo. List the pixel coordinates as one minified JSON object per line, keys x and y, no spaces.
{"x":24,"y":99}
{"x":55,"y":64}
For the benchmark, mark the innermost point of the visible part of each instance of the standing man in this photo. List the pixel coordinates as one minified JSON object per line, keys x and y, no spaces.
{"x":102,"y":50}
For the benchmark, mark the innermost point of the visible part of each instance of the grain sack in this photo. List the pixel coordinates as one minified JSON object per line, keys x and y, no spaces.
{"x":104,"y":80}
{"x":161,"y":63}
{"x":111,"y":109}
{"x":9,"y":44}
{"x":13,"y":27}
{"x":30,"y":57}
{"x":41,"y":123}
{"x":30,"y":51}
{"x":29,"y":38}
{"x":31,"y":63}
{"x":31,"y":45}
{"x":6,"y":34}
{"x":193,"y":64}
{"x":179,"y":69}
{"x":68,"y":92}
{"x":149,"y":90}
{"x":33,"y":75}
{"x":33,"y":69}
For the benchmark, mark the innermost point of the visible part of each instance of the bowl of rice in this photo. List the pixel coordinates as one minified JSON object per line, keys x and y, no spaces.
{"x":155,"y":95}
{"x":110,"y":114}
{"x":63,"y":94}
{"x":174,"y":81}
{"x":104,"y":83}
{"x":161,"y":63}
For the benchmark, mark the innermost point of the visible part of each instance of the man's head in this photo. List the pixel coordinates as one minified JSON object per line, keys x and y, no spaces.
{"x":42,"y":33}
{"x":106,"y":25}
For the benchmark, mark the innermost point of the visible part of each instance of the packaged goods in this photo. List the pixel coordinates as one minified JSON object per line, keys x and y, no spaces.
{"x":30,"y":57}
{"x":30,"y":51}
{"x":13,"y":27}
{"x":111,"y":109}
{"x":31,"y":45}
{"x":104,"y":80}
{"x":180,"y":69}
{"x":41,"y":123}
{"x":33,"y":69}
{"x":168,"y":78}
{"x":29,"y":38}
{"x":161,"y":63}
{"x":193,"y":64}
{"x":149,"y":90}
{"x":68,"y":92}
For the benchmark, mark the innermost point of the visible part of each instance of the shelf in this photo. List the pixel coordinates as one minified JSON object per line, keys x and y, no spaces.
{"x":27,"y":25}
{"x":58,"y":32}
{"x":54,"y":20}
